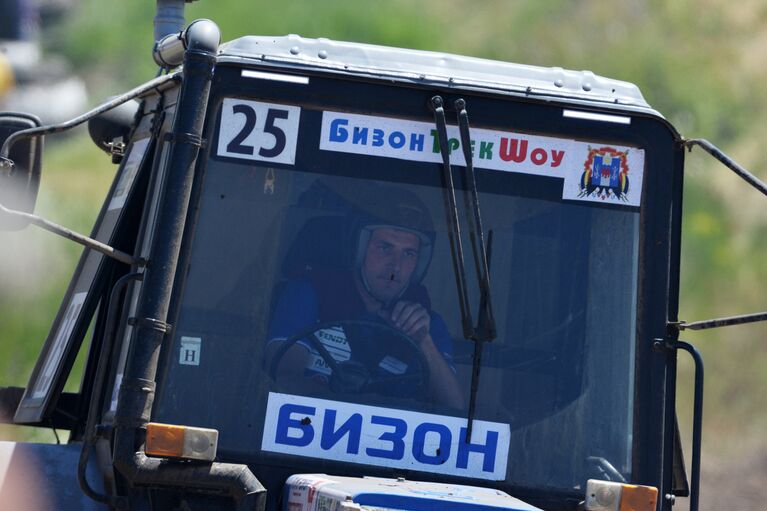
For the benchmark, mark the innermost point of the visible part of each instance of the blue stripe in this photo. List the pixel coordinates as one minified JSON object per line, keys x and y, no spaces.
{"x":425,"y":504}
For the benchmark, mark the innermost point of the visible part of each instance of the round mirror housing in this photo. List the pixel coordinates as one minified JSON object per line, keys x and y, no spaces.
{"x":19,"y":181}
{"x":110,"y":130}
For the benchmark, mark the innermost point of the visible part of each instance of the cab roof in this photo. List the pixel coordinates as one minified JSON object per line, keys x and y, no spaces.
{"x":433,"y":68}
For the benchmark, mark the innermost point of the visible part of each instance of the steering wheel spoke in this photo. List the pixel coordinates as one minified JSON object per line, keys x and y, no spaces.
{"x":369,"y":343}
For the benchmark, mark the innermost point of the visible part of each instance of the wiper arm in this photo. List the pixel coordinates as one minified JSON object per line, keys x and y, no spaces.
{"x":451,"y":212}
{"x":485,"y":330}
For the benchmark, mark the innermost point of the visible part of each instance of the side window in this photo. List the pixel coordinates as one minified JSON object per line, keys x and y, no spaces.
{"x":80,"y":302}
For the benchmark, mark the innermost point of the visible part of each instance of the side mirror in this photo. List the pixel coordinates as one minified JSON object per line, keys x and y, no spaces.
{"x":112,"y":128}
{"x":19,"y":184}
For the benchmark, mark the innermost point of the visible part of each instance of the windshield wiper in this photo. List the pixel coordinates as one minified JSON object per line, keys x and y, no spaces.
{"x":451,"y":212}
{"x":485,"y":330}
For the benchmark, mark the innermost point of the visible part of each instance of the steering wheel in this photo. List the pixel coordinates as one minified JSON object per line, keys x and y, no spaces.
{"x":372,"y":344}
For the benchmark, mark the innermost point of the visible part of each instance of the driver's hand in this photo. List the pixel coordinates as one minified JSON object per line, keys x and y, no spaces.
{"x":412,"y":319}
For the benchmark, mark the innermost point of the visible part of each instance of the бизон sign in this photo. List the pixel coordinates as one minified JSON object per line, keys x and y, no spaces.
{"x":318,"y":428}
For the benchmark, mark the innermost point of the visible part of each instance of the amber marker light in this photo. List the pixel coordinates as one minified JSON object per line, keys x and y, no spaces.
{"x":610,"y":496}
{"x":172,"y":441}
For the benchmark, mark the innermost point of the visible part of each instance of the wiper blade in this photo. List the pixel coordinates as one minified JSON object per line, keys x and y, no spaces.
{"x":485,"y":330}
{"x":451,"y":212}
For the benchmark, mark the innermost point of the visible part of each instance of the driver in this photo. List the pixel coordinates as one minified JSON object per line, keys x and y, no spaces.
{"x":392,"y":251}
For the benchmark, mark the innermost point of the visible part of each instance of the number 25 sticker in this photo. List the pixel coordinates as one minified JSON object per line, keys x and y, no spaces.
{"x":253,"y":130}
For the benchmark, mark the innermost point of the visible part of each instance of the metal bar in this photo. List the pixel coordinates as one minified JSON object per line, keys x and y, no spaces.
{"x":87,"y":242}
{"x":475,"y":367}
{"x":485,"y":329}
{"x":64,"y":126}
{"x":476,"y":363}
{"x":728,"y":162}
{"x":168,"y":18}
{"x":451,"y":211}
{"x":138,"y":386}
{"x":158,"y":281}
{"x":94,"y":407}
{"x":720,"y":322}
{"x":477,"y":241}
{"x":485,"y":321}
{"x":697,"y":420}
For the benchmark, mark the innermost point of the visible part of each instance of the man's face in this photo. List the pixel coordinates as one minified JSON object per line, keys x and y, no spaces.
{"x":391,"y":257}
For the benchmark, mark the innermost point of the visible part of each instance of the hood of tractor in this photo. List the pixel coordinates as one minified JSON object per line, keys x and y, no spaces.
{"x":320,"y":492}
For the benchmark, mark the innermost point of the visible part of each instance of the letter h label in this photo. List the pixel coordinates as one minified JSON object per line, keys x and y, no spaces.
{"x":189,"y":355}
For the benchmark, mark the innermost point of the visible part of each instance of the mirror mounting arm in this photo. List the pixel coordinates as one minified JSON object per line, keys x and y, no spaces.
{"x":6,"y":165}
{"x":719,"y":322}
{"x":77,"y":237}
{"x":726,"y":161}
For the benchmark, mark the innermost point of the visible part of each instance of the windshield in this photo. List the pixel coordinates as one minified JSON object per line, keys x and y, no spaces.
{"x":319,"y":321}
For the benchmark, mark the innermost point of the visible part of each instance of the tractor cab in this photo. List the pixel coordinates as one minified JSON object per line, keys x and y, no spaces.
{"x":324,"y":166}
{"x":366,"y":277}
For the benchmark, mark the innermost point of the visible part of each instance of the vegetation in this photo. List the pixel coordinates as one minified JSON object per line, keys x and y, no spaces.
{"x":697,"y":61}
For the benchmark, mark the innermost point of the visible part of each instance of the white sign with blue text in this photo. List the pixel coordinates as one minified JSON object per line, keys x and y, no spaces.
{"x":371,"y":435}
{"x":593,"y":172}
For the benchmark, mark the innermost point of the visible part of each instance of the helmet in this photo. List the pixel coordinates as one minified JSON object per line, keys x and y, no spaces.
{"x":400,"y":209}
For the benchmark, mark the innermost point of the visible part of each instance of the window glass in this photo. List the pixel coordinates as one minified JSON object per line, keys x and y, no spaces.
{"x":327,"y":293}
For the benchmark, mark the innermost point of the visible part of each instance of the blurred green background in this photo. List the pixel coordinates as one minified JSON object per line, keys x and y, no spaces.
{"x":700,"y":63}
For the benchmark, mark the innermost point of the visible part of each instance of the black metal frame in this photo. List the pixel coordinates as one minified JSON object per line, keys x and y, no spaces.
{"x":660,"y":220}
{"x":90,"y":276}
{"x":135,"y":468}
{"x":672,"y":346}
